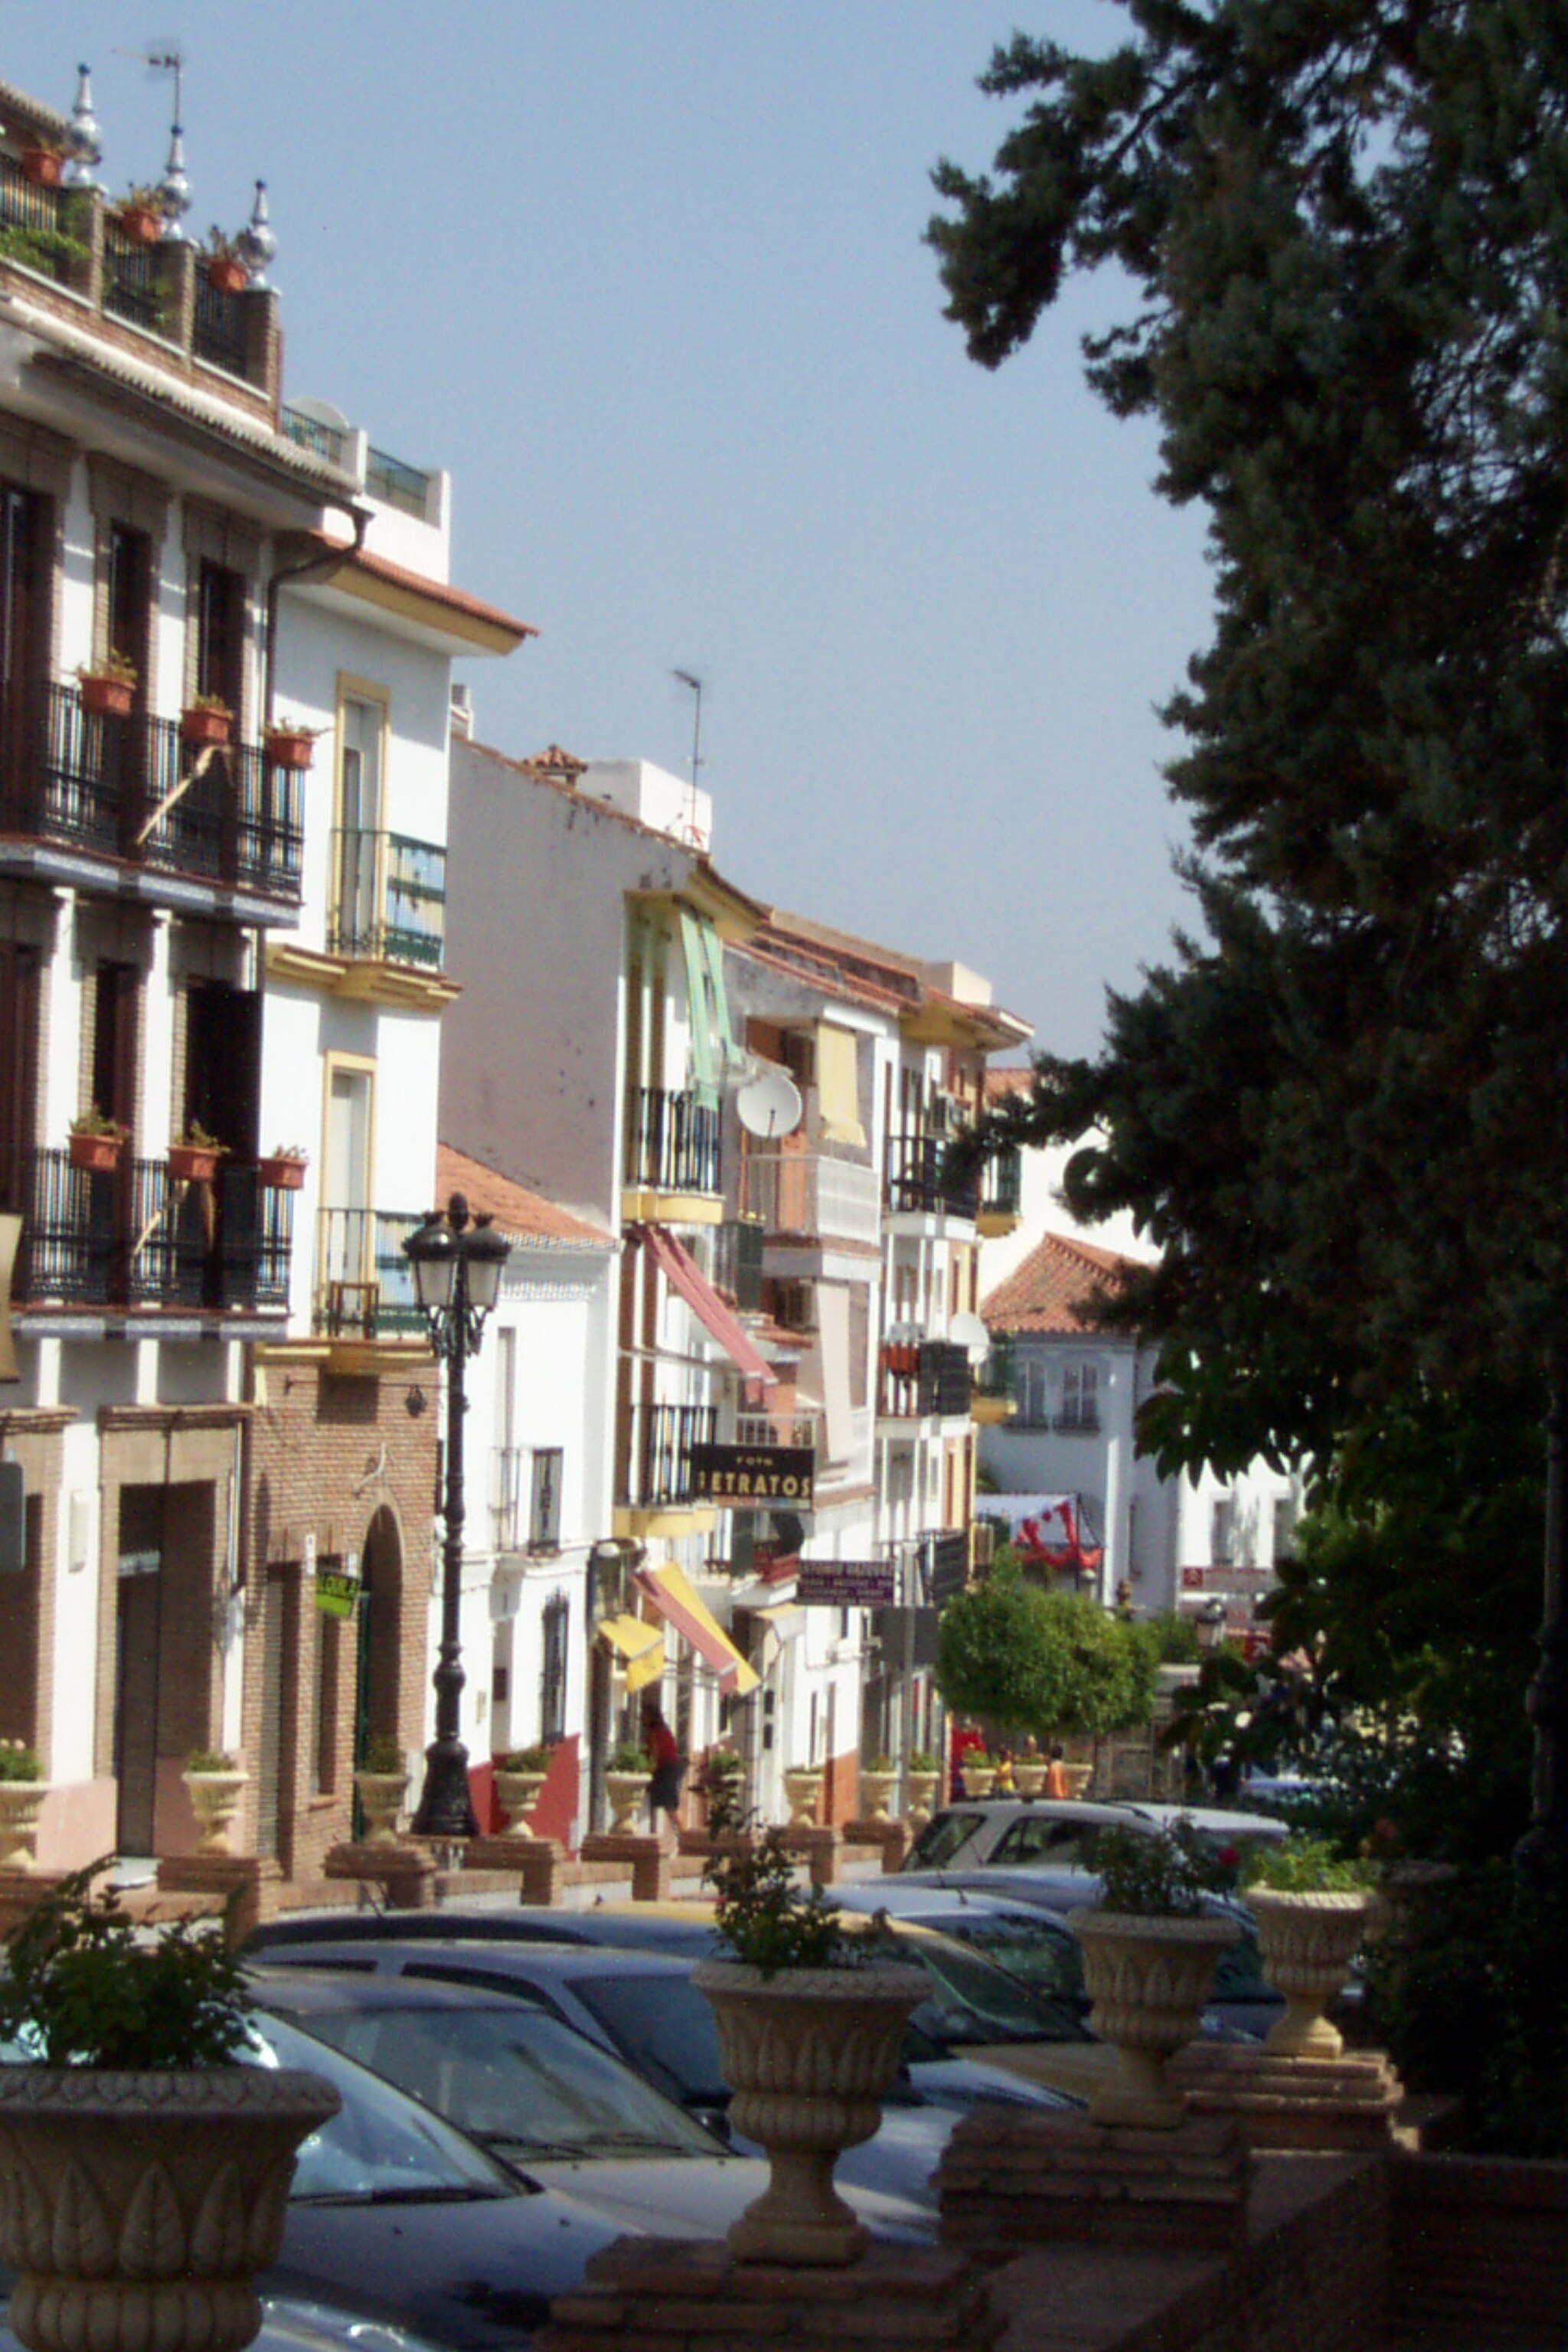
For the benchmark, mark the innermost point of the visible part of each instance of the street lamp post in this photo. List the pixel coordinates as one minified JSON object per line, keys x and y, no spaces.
{"x":457,"y":1277}
{"x":1211,"y":1625}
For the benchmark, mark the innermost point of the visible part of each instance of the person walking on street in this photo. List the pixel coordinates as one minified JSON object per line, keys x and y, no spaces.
{"x":668,"y":1771}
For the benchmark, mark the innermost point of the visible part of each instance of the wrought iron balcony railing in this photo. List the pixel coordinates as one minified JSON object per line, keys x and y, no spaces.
{"x":673,"y":1143}
{"x":657,"y":1471}
{"x":1002,"y":1183}
{"x":995,"y":1376}
{"x":131,"y":789}
{"x":811,"y":1195}
{"x":41,"y":226}
{"x":916,"y":1184}
{"x":389,"y":898}
{"x":131,"y":1238}
{"x":365,"y":1284}
{"x":396,"y":484}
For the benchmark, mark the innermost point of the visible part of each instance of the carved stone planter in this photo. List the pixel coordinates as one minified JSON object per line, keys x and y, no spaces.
{"x":380,"y":1797}
{"x":21,"y":1803}
{"x":517,"y":1794}
{"x":803,"y":1787}
{"x":1308,"y":1942}
{"x":1079,"y":1776}
{"x":214,"y":1800}
{"x":923,"y":1788}
{"x":977,"y":1779}
{"x":1029,"y":1779}
{"x":626,"y":1791}
{"x":877,"y":1790}
{"x":137,"y":2209}
{"x":808,"y":2054}
{"x":1148,"y":1980}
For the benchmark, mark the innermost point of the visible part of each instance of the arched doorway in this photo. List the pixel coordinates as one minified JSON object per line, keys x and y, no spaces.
{"x":378,"y":1678}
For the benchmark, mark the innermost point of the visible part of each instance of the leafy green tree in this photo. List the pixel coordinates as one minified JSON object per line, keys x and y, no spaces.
{"x":1027,"y":1660}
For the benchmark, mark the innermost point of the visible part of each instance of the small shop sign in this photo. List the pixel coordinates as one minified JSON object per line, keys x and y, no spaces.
{"x":846,"y":1584}
{"x":754,"y":1477}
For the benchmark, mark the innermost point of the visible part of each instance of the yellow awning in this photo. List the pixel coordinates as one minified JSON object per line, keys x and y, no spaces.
{"x":671,"y":1593}
{"x":638,"y":1644}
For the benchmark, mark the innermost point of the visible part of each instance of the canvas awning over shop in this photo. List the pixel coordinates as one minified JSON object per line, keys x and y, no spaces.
{"x":671,"y":1594}
{"x":638,"y":1645}
{"x":680,"y":1268}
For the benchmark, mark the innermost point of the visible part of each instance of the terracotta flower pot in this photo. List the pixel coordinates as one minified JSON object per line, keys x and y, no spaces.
{"x":279,"y":1171}
{"x":921,"y":1787}
{"x":135,"y":222}
{"x":193,"y":1163}
{"x":1308,"y":1942}
{"x":227,"y":276}
{"x":199,"y":727}
{"x":1148,"y":1980}
{"x":214,"y":1800}
{"x":137,"y":2209}
{"x":21,"y":1803}
{"x":285,"y":748}
{"x":43,"y":167}
{"x":106,"y":697}
{"x":877,"y":1790}
{"x":626,"y":1791}
{"x":803,"y":1787}
{"x":381,"y":1796}
{"x":517,"y":1794}
{"x":808,"y":2054}
{"x":1029,"y":1778}
{"x":96,"y":1155}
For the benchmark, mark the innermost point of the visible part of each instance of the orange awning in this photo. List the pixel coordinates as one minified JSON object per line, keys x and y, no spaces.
{"x":680,"y":1268}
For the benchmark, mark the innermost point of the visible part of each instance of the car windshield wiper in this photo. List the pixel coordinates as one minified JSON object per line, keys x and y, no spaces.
{"x":643,"y":2143}
{"x":514,"y":2144}
{"x":463,"y":2194}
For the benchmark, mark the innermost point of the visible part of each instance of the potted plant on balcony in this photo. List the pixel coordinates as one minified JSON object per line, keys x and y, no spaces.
{"x":194,"y":1159}
{"x":627,"y":1777}
{"x":520,"y":1776}
{"x":223,"y":264}
{"x":283,"y":1168}
{"x":290,"y":743}
{"x":43,"y":163}
{"x":1311,"y":1908}
{"x":107,"y":688}
{"x":96,"y":1142}
{"x":138,"y":216}
{"x":21,"y":1792}
{"x":1149,"y":1946}
{"x":215,"y":1785}
{"x":208,"y":720}
{"x":144,"y":2170}
{"x":381,"y":1783}
{"x":809,"y":2040}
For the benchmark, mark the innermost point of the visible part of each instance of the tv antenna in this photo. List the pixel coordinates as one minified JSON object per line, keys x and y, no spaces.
{"x":690,"y":678}
{"x":166,"y":57}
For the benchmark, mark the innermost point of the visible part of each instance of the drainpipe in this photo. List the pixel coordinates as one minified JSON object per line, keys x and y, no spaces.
{"x":359,"y":517}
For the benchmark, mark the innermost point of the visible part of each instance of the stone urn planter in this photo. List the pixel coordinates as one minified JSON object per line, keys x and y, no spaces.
{"x":1148,"y":1980}
{"x":977,"y":1779}
{"x":214,"y":1800}
{"x":877,"y":1790}
{"x":1029,"y":1779}
{"x":803,"y":1787}
{"x":1079,"y":1776}
{"x":517,"y":1794}
{"x":136,"y":2208}
{"x":1308,"y":1942}
{"x":21,"y":1803}
{"x":626,"y":1791}
{"x":380,"y":1798}
{"x":808,"y":2054}
{"x":921,"y":1787}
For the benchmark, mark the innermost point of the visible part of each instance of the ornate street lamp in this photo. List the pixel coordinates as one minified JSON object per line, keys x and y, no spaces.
{"x":1211,"y":1624}
{"x":457,"y":1277}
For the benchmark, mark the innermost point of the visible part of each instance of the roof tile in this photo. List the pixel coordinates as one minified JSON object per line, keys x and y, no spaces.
{"x":526,"y":1215}
{"x":1048,"y":1289}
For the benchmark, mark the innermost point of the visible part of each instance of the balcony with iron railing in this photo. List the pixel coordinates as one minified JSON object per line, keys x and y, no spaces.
{"x":1001,"y":1193}
{"x":655,"y":1473}
{"x":810,"y":1196}
{"x":797,"y":1429}
{"x":389,"y":898}
{"x":992,"y":1384}
{"x":918,"y":1380}
{"x":129,"y":791}
{"x":673,"y":1143}
{"x":395,"y":484}
{"x":132,"y":1238}
{"x":364,"y":1284}
{"x":917,"y":1183}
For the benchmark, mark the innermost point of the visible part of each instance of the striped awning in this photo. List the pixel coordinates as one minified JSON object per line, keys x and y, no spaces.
{"x":671,"y":1594}
{"x":638,"y":1645}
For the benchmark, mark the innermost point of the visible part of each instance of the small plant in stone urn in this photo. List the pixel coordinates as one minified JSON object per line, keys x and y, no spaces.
{"x":803,"y":1787}
{"x":1312,"y":1909}
{"x":979,"y":1770}
{"x":627,"y":1776}
{"x":520,"y":1776}
{"x":922,"y":1781}
{"x":381,"y":1783}
{"x":1149,"y":1946}
{"x":879,"y":1787}
{"x":144,"y":2171}
{"x":809,"y":2040}
{"x":215,"y":1784}
{"x":21,"y":1792}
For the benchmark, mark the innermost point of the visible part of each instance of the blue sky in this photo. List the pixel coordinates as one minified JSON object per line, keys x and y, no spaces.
{"x":647,"y":276}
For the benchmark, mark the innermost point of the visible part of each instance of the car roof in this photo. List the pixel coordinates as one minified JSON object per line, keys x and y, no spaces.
{"x":322,"y":1991}
{"x":1066,"y":1809}
{"x":1216,"y":1821}
{"x":546,"y":1962}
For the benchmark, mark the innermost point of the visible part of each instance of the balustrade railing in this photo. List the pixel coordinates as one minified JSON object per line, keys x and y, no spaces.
{"x":673,"y":1142}
{"x":218,"y":332}
{"x":916,"y":1183}
{"x":810,"y":1193}
{"x":658,"y":1468}
{"x":130,"y":1236}
{"x":389,"y":897}
{"x":1002,"y":1183}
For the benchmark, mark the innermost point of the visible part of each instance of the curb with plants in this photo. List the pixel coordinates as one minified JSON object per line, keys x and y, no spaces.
{"x":810,"y":2034}
{"x":143,"y":2170}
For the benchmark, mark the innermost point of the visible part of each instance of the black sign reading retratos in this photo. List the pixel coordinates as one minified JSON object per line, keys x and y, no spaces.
{"x":754,"y":1477}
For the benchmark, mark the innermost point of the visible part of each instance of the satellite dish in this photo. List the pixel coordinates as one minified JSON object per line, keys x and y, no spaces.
{"x":968,"y":1332}
{"x":770,"y":1105}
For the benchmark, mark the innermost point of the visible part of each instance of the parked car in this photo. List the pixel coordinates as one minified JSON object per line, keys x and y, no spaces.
{"x":1061,"y":1831}
{"x":562,"y":2111}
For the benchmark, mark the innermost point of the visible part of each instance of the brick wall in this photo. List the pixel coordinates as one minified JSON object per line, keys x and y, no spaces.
{"x":1480,"y":2243}
{"x":840,"y":1799}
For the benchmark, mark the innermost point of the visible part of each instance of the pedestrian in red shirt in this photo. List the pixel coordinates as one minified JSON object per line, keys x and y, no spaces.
{"x":668,"y":1771}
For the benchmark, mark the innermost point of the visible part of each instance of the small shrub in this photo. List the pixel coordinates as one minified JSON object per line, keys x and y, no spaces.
{"x":879,"y":1764}
{"x":1166,"y":1876}
{"x":209,"y":1760}
{"x":766,"y":1920}
{"x":384,"y":1753}
{"x":19,"y":1761}
{"x":922,"y":1761}
{"x":627,"y":1757}
{"x":525,"y":1760}
{"x":1308,"y":1865}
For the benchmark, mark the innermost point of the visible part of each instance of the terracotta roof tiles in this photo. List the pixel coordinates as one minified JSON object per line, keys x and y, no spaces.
{"x":1048,"y":1289}
{"x":526,"y":1216}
